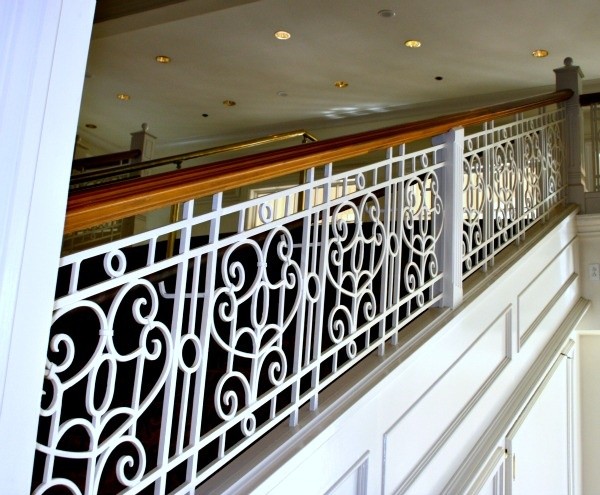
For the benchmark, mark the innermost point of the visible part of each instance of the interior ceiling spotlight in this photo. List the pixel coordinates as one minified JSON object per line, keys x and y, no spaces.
{"x":386,"y":13}
{"x":123,"y":97}
{"x":282,"y":35}
{"x":540,"y":53}
{"x":162,"y":59}
{"x":229,"y":103}
{"x":341,"y":84}
{"x":412,"y":43}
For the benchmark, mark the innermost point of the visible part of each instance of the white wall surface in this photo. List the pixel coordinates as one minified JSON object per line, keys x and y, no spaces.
{"x":414,"y":428}
{"x":43,"y":52}
{"x":589,"y":362}
{"x":588,"y":229}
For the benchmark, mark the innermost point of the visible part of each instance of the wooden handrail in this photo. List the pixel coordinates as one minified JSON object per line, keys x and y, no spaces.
{"x":178,"y":159}
{"x":108,"y":160}
{"x":589,"y":99}
{"x":91,"y":207}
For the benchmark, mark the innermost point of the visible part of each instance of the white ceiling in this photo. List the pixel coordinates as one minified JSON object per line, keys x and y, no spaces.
{"x":225,"y":50}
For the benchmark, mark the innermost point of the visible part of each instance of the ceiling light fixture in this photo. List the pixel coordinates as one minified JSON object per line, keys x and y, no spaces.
{"x":282,"y":35}
{"x":540,"y":53}
{"x":229,"y":103}
{"x":386,"y":13}
{"x":163,"y":59}
{"x":123,"y":97}
{"x":412,"y":43}
{"x":341,"y":84}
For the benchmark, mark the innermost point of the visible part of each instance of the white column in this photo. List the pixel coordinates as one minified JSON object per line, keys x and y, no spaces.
{"x":450,"y":246}
{"x":570,"y":77}
{"x":43,"y":53}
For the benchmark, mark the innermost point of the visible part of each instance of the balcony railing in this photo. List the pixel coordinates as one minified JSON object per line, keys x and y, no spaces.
{"x":161,"y":369}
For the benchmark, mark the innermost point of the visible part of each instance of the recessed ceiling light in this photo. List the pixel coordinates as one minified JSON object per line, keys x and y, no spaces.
{"x":281,"y":93}
{"x":91,"y":126}
{"x":386,"y":13}
{"x":282,"y":35}
{"x":439,"y":78}
{"x":123,"y":97}
{"x":412,"y":43}
{"x":229,"y":103}
{"x":539,"y":53}
{"x":162,"y":59}
{"x":340,"y":84}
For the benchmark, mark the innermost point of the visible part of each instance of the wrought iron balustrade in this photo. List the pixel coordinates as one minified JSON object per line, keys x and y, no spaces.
{"x":162,"y":368}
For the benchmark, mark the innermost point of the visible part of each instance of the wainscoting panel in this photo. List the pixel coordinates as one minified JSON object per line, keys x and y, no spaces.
{"x":414,"y":439}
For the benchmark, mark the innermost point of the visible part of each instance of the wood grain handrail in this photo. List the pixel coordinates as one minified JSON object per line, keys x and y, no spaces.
{"x":589,"y":99}
{"x":111,"y":202}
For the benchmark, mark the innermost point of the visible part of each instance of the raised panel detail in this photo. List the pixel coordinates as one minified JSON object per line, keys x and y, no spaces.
{"x":543,"y":292}
{"x":416,"y":437}
{"x":354,"y":481}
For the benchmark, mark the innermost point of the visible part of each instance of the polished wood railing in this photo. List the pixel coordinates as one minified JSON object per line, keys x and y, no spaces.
{"x":87,"y":208}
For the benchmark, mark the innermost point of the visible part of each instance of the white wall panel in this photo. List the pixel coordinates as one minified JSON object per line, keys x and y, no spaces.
{"x":414,"y":437}
{"x":542,"y":290}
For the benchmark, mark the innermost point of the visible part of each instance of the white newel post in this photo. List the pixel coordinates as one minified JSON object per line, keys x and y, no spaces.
{"x":450,"y":245}
{"x":43,"y":54}
{"x":143,"y":141}
{"x":570,"y":77}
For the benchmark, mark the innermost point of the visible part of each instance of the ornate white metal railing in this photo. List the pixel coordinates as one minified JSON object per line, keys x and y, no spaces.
{"x":513,"y":174}
{"x":162,"y":369}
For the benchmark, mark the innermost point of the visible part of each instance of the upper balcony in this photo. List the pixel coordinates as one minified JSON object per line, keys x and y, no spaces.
{"x":285,"y":270}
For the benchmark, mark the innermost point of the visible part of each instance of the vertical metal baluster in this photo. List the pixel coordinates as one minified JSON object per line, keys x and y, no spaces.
{"x":304,"y":320}
{"x":398,"y":226}
{"x":171,"y":382}
{"x":520,"y":181}
{"x":386,"y":285}
{"x":488,"y":216}
{"x":320,"y":325}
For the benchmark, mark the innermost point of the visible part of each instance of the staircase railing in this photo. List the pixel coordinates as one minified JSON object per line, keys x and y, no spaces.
{"x":275,"y":289}
{"x":179,"y":159}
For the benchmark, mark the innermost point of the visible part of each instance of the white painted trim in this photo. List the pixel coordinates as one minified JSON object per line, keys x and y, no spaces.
{"x":522,"y":337}
{"x":43,"y":46}
{"x":588,"y":225}
{"x":361,"y":468}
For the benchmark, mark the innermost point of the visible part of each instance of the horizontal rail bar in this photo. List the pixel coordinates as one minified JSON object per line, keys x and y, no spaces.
{"x":178,"y":159}
{"x":97,"y":205}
